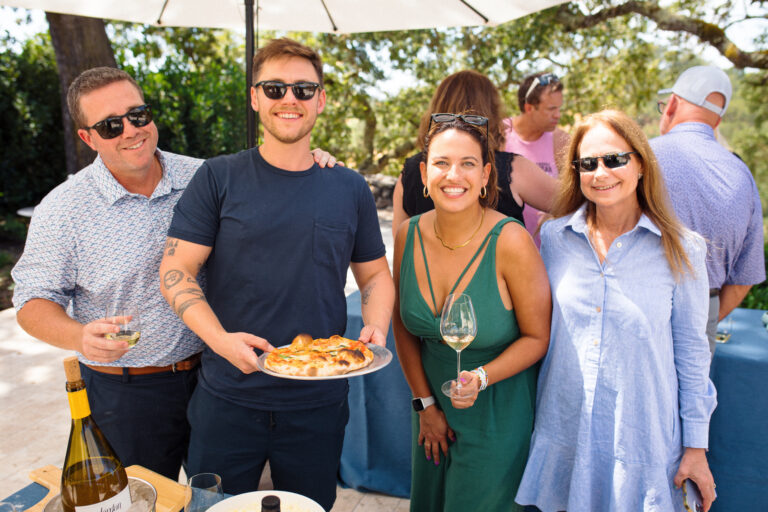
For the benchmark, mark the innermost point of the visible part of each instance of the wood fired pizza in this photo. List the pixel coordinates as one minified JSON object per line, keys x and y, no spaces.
{"x":322,"y":357}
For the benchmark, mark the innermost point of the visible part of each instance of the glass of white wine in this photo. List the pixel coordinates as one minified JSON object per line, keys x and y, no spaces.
{"x":458,"y":327}
{"x":128,"y":320}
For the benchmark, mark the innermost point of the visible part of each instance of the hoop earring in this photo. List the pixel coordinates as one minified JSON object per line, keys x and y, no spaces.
{"x":483,"y":192}
{"x":640,"y":175}
{"x":425,"y":192}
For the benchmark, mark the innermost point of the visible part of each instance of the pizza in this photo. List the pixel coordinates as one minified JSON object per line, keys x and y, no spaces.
{"x":321,"y":357}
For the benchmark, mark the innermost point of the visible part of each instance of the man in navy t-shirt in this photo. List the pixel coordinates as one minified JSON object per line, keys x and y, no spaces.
{"x":277,"y":234}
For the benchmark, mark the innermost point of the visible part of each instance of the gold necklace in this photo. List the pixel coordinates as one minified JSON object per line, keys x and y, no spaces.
{"x":434,"y":226}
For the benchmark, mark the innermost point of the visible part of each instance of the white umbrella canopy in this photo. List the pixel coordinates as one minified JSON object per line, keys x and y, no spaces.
{"x":338,"y":16}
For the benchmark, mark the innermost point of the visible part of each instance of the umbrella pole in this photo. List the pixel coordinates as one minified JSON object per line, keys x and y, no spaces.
{"x":250,"y":115}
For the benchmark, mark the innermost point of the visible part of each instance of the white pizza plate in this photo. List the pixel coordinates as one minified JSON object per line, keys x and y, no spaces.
{"x":251,"y":502}
{"x":381,"y":358}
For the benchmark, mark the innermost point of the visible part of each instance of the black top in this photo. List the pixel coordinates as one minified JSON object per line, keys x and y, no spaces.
{"x":415,"y":203}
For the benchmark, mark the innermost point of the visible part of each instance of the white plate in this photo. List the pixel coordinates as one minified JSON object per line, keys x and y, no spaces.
{"x":251,"y":502}
{"x":381,"y":358}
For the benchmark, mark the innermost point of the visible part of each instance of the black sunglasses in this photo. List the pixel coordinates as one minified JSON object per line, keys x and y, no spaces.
{"x":275,"y":90}
{"x":545,"y":79}
{"x":467,"y":118}
{"x":611,"y":161}
{"x":112,"y":127}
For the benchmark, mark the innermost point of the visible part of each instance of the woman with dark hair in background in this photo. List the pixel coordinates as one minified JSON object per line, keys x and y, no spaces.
{"x":520,"y":181}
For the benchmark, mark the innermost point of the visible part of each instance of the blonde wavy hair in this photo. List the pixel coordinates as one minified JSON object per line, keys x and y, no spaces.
{"x":651,"y":190}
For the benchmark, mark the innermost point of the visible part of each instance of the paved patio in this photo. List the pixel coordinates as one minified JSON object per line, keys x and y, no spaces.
{"x":34,"y":413}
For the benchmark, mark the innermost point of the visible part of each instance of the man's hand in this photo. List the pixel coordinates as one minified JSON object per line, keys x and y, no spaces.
{"x":95,"y":347}
{"x":237,"y":348}
{"x":694,"y":466}
{"x":325,"y":159}
{"x":372,"y":334}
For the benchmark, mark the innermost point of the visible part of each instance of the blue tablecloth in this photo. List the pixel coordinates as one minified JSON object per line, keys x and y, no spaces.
{"x":738,"y":432}
{"x":377,"y":443}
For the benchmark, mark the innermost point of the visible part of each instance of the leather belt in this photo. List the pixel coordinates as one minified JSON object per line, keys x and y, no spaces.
{"x":714,"y":292}
{"x":182,"y":366}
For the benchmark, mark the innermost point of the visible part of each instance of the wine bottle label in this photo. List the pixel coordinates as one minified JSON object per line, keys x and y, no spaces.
{"x":120,"y":502}
{"x":78,"y":404}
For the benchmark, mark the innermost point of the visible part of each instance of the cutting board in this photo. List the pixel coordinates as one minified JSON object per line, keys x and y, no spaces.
{"x":170,"y":494}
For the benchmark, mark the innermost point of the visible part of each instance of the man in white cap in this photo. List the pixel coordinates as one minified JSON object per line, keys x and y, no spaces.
{"x":712,"y":190}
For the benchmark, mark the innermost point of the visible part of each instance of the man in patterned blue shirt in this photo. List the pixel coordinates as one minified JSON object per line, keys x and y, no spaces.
{"x":712,"y":191}
{"x":96,"y":240}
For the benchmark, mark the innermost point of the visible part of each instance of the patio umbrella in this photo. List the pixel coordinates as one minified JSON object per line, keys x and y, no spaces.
{"x":335,"y":16}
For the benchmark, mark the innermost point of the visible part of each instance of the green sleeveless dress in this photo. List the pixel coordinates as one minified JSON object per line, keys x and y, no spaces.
{"x":485,"y":464}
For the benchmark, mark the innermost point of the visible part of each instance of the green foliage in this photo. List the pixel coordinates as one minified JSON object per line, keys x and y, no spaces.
{"x":194,"y":80}
{"x":32,"y":155}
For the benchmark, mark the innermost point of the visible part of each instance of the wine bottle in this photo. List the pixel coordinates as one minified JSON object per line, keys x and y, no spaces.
{"x":93,"y":478}
{"x":270,"y":503}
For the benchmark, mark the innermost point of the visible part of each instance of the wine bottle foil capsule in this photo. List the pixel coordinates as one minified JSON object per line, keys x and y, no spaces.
{"x":143,"y":497}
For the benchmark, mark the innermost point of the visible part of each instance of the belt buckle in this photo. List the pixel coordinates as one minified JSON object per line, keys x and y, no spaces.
{"x":173,"y":367}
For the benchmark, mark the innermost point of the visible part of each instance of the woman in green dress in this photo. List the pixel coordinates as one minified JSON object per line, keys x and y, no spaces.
{"x":468,"y":453}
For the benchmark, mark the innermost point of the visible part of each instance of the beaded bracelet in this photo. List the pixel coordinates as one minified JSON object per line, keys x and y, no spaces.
{"x":482,"y":375}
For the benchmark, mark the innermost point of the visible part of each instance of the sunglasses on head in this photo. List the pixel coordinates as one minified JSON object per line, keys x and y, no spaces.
{"x":467,"y":118}
{"x":545,"y":79}
{"x":611,"y":161}
{"x":112,"y":127}
{"x":275,"y":90}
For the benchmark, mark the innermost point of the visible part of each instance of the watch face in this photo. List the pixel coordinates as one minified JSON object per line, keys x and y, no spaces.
{"x":417,"y":405}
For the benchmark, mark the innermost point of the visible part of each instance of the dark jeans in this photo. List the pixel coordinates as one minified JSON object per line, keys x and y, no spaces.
{"x":144,"y":417}
{"x":303,"y":447}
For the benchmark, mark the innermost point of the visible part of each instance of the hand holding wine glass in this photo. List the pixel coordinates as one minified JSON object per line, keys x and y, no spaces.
{"x":458,"y":327}
{"x":128,"y":321}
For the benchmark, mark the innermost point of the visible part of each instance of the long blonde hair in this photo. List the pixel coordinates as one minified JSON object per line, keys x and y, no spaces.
{"x":651,"y":191}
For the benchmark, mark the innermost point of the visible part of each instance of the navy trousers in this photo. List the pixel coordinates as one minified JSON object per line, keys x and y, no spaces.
{"x":303,"y":447}
{"x":144,"y":417}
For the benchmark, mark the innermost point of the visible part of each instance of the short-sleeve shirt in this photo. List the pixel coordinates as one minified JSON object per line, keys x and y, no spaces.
{"x":282,"y":242}
{"x":92,"y":243}
{"x":714,"y":194}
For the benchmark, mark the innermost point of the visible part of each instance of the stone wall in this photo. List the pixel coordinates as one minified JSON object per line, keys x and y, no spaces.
{"x":382,"y":187}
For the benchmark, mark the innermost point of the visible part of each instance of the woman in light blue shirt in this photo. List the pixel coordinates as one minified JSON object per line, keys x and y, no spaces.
{"x":624,"y":397}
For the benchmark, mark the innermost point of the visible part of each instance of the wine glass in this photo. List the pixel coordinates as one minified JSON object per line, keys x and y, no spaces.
{"x":127,"y":318}
{"x":458,"y":327}
{"x":203,"y":491}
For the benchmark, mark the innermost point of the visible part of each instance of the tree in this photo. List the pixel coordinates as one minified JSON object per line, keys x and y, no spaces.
{"x":80,"y":43}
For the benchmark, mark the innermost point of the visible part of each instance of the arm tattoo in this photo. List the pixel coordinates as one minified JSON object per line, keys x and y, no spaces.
{"x":186,"y":305}
{"x":196,"y":294}
{"x":366,"y":293}
{"x":172,"y":278}
{"x":171,"y":245}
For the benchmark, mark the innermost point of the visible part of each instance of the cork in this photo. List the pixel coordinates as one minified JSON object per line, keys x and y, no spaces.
{"x":72,"y":369}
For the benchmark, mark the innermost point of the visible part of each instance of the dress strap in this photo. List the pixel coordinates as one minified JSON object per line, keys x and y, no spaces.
{"x":494,"y":232}
{"x":477,"y":253}
{"x":415,"y":221}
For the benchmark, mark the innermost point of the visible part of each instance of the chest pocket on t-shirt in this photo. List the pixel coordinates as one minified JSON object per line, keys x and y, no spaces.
{"x":332,"y":244}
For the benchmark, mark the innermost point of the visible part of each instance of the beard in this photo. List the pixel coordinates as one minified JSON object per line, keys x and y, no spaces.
{"x":283,"y":135}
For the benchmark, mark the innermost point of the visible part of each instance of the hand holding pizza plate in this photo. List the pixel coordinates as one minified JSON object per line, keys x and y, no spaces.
{"x":324,"y":359}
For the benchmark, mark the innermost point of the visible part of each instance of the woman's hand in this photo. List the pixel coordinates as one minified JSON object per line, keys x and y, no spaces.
{"x":694,"y":465}
{"x":434,"y":433}
{"x":470,"y":388}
